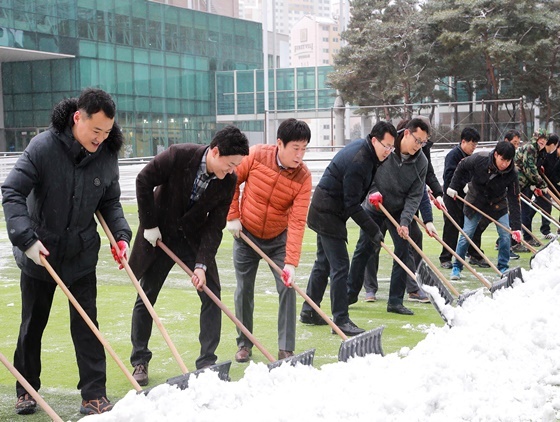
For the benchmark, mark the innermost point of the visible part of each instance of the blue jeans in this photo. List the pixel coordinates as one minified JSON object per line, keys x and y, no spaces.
{"x":504,"y":240}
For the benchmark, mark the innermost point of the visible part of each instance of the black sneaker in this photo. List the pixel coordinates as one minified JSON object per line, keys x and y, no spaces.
{"x":311,"y":318}
{"x":513,"y":255}
{"x":479,"y":262}
{"x":399,"y":309}
{"x":534,"y":242}
{"x":349,"y":328}
{"x":26,"y":404}
{"x":519,"y":247}
{"x":95,"y":406}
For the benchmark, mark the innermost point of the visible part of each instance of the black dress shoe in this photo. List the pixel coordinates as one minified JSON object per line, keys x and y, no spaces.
{"x":349,"y":328}
{"x":399,"y":309}
{"x":311,"y":318}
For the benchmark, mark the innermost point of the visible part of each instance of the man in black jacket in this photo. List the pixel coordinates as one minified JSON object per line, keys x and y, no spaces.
{"x":184,"y":194}
{"x":338,"y":197}
{"x":469,"y":140}
{"x":494,"y":190}
{"x":64,"y":176}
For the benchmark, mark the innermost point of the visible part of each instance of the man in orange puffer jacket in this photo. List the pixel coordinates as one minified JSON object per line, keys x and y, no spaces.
{"x":271,"y":211}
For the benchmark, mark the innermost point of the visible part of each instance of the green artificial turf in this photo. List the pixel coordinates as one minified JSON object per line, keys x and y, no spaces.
{"x":178,"y":308}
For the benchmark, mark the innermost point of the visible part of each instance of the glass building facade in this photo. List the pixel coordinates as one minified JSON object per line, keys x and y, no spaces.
{"x":157,"y":61}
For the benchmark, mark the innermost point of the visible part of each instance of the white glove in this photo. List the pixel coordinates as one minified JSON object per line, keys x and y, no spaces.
{"x":234,"y":227}
{"x":288,"y":274}
{"x":466,"y":188}
{"x":152,"y":235}
{"x":431,"y":229}
{"x":35,"y":251}
{"x":451,"y":192}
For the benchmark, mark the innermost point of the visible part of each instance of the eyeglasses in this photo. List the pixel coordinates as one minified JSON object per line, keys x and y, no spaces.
{"x":389,"y":148}
{"x":419,"y":141}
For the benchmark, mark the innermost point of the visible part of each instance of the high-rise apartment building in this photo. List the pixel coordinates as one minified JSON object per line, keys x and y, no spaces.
{"x":314,"y":42}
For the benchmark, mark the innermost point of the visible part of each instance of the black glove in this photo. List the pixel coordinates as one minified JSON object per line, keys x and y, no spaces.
{"x":377,"y":239}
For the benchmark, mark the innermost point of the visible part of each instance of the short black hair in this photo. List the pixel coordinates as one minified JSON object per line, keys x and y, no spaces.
{"x":94,"y":100}
{"x":510,"y":134}
{"x":470,"y":134}
{"x":382,"y":127}
{"x":293,"y":130}
{"x":552,"y":139}
{"x":505,"y":149}
{"x":230,"y":141}
{"x":418,"y":123}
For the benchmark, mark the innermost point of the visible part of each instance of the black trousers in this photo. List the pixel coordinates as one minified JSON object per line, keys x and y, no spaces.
{"x":36,"y":298}
{"x":210,"y":313}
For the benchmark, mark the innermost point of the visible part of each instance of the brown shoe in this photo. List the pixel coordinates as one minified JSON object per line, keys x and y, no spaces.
{"x":283,"y":354}
{"x":26,"y":404}
{"x":243,"y":354}
{"x":95,"y":406}
{"x":140,"y":374}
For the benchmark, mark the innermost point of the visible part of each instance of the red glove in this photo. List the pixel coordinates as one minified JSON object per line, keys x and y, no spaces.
{"x":438,"y":202}
{"x":516,"y":235}
{"x":376,"y":199}
{"x":540,"y":192}
{"x":123,"y":249}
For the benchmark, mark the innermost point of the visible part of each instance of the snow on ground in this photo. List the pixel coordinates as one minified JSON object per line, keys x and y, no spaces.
{"x":499,"y":362}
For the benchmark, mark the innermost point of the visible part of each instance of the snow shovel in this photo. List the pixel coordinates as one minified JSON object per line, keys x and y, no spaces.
{"x":89,"y":322}
{"x":460,"y":229}
{"x":420,"y":252}
{"x":461,"y":260}
{"x":305,"y":358}
{"x":34,"y":393}
{"x":181,"y":381}
{"x":366,"y":343}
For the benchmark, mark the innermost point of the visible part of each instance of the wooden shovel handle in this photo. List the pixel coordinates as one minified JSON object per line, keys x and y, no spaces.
{"x":496,"y":222}
{"x":52,"y":414}
{"x":89,"y":322}
{"x":456,"y":255}
{"x":218,"y":302}
{"x":460,"y":229}
{"x":143,"y":296}
{"x":295,"y":286}
{"x":421,"y":253}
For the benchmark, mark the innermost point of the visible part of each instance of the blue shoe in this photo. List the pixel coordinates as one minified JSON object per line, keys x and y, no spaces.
{"x":455,"y":273}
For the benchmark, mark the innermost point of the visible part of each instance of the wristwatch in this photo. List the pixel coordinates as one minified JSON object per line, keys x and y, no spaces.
{"x":200,"y":266}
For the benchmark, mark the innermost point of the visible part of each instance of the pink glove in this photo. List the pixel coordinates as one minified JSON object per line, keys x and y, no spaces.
{"x":123,"y":248}
{"x":376,"y":199}
{"x":516,"y":235}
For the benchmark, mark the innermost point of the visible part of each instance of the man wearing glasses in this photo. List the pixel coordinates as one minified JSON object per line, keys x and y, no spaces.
{"x":399,"y":185}
{"x":338,"y":197}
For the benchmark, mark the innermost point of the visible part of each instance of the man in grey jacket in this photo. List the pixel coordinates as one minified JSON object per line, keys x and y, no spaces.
{"x":399,"y":185}
{"x":64,"y":176}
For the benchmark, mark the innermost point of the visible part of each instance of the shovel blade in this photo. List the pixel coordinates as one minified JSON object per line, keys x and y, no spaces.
{"x":426,"y":276}
{"x":507,"y":280}
{"x":542,"y":249}
{"x":464,"y":296}
{"x":305,"y":358}
{"x":361,"y":345}
{"x":182,"y":381}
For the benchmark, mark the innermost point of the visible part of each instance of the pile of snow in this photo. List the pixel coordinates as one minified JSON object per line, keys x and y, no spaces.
{"x":499,"y":362}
